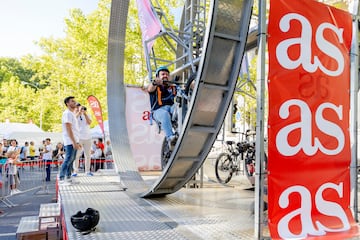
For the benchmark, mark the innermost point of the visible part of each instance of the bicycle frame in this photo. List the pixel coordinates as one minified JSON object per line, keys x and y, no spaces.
{"x":177,"y":118}
{"x":239,"y":157}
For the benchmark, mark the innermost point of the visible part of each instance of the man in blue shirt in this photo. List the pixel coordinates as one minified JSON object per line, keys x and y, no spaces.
{"x":162,"y":102}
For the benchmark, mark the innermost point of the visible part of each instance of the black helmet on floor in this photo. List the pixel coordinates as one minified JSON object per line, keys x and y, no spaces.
{"x":86,"y":221}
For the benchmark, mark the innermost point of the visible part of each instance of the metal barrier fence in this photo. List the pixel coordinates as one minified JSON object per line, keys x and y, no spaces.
{"x":32,"y":174}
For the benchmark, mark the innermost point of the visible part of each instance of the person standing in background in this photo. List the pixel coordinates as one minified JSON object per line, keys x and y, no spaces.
{"x":71,"y":139}
{"x":24,"y":152}
{"x":32,"y":150}
{"x":84,"y":121}
{"x":14,"y":147}
{"x":5,"y":145}
{"x":108,"y":155}
{"x":12,"y":161}
{"x":47,"y":158}
{"x":101,"y":145}
{"x":32,"y":153}
{"x":58,"y":153}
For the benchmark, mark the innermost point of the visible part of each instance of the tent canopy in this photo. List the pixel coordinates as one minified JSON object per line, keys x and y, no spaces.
{"x":6,"y":129}
{"x":97,"y":133}
{"x":23,"y":132}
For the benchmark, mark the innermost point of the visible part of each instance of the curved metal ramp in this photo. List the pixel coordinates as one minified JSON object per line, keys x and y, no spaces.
{"x":224,"y":45}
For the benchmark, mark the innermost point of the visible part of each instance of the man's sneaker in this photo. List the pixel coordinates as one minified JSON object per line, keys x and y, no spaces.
{"x":74,"y":175}
{"x":17,"y":190}
{"x":89,"y":174}
{"x":172,"y":141}
{"x":66,"y":183}
{"x":68,"y":179}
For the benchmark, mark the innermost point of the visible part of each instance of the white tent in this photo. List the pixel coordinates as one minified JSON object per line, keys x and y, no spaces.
{"x":6,"y":129}
{"x":97,"y":133}
{"x":23,"y":132}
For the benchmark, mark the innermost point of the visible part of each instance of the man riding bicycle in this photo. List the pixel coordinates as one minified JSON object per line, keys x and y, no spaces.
{"x":162,"y":102}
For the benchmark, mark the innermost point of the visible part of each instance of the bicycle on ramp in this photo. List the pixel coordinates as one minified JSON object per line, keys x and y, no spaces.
{"x":238,"y":157}
{"x":181,"y":101}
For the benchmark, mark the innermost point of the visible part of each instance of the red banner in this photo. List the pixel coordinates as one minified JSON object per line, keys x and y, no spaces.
{"x":96,"y":108}
{"x":309,"y":103}
{"x":149,"y":24}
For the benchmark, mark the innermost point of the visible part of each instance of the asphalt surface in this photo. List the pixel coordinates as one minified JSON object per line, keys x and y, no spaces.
{"x":35,"y":191}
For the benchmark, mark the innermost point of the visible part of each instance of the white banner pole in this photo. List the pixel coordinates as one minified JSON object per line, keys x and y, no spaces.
{"x":354,"y":86}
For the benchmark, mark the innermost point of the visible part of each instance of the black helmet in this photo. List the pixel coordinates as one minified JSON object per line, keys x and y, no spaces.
{"x":86,"y":221}
{"x":162,"y":68}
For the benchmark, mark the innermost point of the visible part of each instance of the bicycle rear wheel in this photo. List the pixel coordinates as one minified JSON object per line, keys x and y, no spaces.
{"x":224,"y":168}
{"x":249,"y":167}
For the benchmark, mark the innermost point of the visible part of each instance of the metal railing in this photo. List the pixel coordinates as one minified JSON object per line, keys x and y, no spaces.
{"x":32,"y":174}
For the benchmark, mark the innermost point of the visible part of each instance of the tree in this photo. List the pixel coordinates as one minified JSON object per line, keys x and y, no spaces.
{"x":74,"y":65}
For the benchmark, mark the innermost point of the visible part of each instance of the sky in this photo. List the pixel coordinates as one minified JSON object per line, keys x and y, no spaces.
{"x":24,"y":21}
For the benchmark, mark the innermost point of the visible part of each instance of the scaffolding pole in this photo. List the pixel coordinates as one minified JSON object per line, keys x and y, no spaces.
{"x":354,"y":87}
{"x":260,"y":86}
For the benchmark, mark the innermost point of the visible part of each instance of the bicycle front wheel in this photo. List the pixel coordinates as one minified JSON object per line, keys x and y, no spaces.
{"x":165,"y":153}
{"x":223,"y":168}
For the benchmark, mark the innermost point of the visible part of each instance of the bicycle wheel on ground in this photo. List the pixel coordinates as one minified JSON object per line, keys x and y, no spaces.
{"x":223,"y":168}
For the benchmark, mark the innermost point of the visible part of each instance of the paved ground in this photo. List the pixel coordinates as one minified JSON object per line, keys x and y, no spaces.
{"x":27,"y":203}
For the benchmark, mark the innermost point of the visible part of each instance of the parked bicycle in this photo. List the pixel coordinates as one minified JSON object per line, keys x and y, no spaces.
{"x":239,"y":157}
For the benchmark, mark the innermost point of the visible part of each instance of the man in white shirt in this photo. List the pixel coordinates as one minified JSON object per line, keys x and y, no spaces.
{"x":84,"y":121}
{"x":71,"y":138}
{"x":47,"y":158}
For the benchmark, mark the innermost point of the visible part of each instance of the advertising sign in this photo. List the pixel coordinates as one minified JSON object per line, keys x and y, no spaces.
{"x":144,"y":136}
{"x":309,"y":104}
{"x":96,"y":108}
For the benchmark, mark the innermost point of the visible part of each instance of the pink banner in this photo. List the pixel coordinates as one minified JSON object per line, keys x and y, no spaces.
{"x":145,"y":141}
{"x":96,"y":108}
{"x":149,"y":24}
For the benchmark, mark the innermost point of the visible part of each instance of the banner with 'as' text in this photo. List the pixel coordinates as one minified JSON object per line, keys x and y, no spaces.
{"x":309,"y":104}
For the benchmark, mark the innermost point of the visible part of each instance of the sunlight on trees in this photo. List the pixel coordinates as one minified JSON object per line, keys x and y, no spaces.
{"x":76,"y":65}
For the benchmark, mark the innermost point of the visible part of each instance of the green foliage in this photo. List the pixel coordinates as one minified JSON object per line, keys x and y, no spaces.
{"x":33,"y":88}
{"x":246,"y":88}
{"x":74,"y":65}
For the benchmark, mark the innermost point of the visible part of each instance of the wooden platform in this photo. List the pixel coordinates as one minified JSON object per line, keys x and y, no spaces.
{"x":45,"y":226}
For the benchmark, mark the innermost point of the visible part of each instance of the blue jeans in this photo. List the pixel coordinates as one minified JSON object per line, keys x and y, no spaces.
{"x":163,"y":115}
{"x":66,"y":166}
{"x":47,"y":163}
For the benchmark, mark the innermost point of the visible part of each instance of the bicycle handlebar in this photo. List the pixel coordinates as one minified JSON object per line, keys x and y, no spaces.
{"x":173,"y":82}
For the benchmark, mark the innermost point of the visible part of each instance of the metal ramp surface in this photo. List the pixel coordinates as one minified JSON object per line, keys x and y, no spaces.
{"x":224,"y":45}
{"x":208,"y":213}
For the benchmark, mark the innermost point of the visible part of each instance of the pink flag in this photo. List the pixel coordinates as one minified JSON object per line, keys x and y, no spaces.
{"x":149,"y":23}
{"x":96,"y":108}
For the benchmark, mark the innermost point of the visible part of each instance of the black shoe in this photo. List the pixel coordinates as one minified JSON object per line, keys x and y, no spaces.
{"x":172,"y":140}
